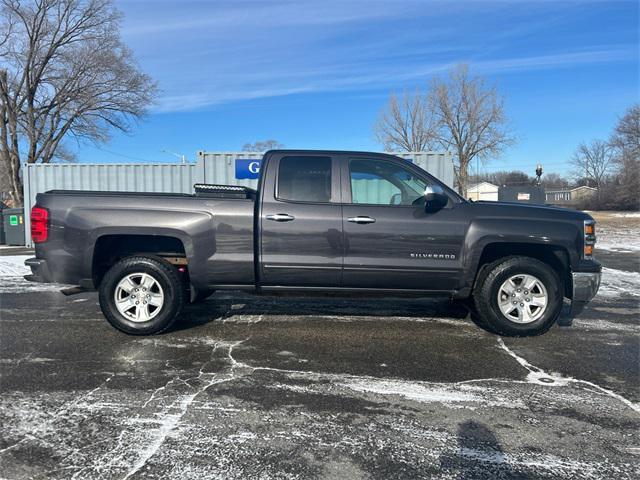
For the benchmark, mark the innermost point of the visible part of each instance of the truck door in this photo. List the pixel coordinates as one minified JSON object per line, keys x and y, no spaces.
{"x":301,"y":221}
{"x":391,"y":242}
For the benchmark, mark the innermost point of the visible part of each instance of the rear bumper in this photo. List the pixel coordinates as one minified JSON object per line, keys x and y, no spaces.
{"x":39,"y":270}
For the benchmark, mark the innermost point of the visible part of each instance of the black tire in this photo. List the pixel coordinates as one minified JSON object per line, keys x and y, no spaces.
{"x":163,"y":273}
{"x":491,"y":278}
{"x":202,"y":295}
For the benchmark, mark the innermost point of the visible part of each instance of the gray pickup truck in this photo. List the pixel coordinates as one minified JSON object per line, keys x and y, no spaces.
{"x":351,"y":222}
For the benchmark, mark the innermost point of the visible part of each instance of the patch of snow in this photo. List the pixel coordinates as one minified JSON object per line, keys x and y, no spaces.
{"x":12,"y":271}
{"x":627,"y":214}
{"x":20,"y":285}
{"x":9,"y":361}
{"x":460,"y":322}
{"x":539,"y":376}
{"x":618,"y":282}
{"x":544,"y":462}
{"x":617,"y":246}
{"x":536,"y":375}
{"x":426,"y":392}
{"x":242,"y":319}
{"x":286,"y":353}
{"x":242,"y":437}
{"x":591,"y":324}
{"x":617,"y":239}
{"x":13,"y":266}
{"x":169,"y":420}
{"x":293,"y":388}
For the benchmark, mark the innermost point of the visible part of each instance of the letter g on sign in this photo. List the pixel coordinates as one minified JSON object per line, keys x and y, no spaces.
{"x":247,"y":168}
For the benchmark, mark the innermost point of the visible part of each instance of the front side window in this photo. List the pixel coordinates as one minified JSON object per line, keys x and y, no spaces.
{"x":305,"y":179}
{"x":379,"y":182}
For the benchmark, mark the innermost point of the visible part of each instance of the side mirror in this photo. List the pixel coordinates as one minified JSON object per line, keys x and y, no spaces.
{"x":434,"y":198}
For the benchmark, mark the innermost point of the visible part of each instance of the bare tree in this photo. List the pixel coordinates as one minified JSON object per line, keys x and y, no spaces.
{"x":626,"y":144}
{"x":471,"y":120}
{"x":626,"y":136}
{"x":405,"y":124}
{"x":503,"y":177}
{"x":554,"y":181}
{"x":64,"y":73}
{"x":262,"y":146}
{"x":459,"y":113}
{"x":593,"y":161}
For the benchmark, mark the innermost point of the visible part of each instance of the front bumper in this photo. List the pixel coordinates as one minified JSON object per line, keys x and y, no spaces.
{"x":585,"y":285}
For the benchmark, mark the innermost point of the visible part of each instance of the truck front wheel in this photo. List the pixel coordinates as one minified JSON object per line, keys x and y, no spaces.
{"x":518,"y":296}
{"x":141,"y":295}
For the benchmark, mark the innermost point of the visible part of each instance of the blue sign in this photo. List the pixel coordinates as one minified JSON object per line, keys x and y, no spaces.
{"x":247,"y":168}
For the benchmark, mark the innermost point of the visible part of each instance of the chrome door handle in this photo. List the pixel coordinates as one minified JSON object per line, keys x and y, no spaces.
{"x":281,"y":217}
{"x":360,"y":219}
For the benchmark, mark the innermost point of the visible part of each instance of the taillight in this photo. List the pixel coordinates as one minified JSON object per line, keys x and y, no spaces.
{"x":589,"y":238}
{"x":39,"y":224}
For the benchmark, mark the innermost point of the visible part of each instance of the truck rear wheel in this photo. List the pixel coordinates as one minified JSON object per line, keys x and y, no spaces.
{"x":141,"y":295}
{"x":518,"y":296}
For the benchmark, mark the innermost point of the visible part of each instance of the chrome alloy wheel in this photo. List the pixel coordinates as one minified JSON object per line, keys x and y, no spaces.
{"x":139,"y":297}
{"x":522,"y":298}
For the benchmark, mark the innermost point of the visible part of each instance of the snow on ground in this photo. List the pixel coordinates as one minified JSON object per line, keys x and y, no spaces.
{"x":618,"y":232}
{"x":453,"y":396}
{"x":13,"y":266}
{"x":617,"y":282}
{"x":627,"y":214}
{"x":12,"y":271}
{"x":618,"y":241}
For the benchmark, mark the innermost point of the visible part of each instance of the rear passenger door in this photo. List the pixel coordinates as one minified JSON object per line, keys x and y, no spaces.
{"x":301,"y":241}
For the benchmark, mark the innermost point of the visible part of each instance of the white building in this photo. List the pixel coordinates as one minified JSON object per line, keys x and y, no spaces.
{"x":569,"y":196}
{"x":483,"y":191}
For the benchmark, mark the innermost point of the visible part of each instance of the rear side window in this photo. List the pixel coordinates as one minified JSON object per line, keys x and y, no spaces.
{"x":305,"y":179}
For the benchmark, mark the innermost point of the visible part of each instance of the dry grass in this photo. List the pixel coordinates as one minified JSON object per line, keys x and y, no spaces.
{"x":616,"y":220}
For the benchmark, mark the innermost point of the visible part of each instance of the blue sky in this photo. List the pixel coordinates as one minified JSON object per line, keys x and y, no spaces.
{"x":315,"y":74}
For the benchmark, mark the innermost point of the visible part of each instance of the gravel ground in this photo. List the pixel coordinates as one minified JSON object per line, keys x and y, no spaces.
{"x":266,"y":387}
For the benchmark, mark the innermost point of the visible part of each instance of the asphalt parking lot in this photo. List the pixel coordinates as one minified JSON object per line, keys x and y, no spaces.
{"x":265,"y":387}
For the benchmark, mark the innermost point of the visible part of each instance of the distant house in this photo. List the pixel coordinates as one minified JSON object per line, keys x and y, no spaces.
{"x":483,"y":191}
{"x":569,"y":196}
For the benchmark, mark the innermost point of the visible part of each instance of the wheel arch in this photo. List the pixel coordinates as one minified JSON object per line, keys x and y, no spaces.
{"x":112,"y":247}
{"x":556,"y":256}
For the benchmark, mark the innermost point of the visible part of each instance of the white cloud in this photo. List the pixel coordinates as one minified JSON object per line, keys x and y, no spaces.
{"x":281,"y":81}
{"x":213,"y":52}
{"x":559,"y":60}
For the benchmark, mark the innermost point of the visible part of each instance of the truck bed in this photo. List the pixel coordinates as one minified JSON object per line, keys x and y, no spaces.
{"x":214,"y":232}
